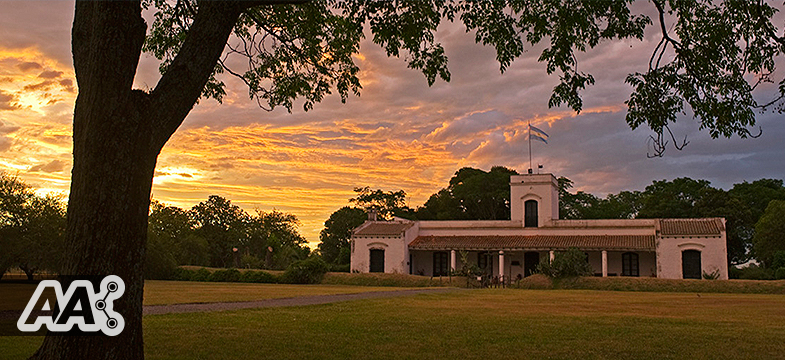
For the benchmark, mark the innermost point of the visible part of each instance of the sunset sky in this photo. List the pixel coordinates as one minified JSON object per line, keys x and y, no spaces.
{"x":399,"y":134}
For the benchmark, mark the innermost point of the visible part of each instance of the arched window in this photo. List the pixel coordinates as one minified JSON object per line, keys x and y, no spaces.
{"x":530,"y":213}
{"x":629,"y":264}
{"x":691,"y":264}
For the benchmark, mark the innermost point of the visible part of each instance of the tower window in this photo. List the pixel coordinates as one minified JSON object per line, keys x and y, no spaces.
{"x":530,"y":214}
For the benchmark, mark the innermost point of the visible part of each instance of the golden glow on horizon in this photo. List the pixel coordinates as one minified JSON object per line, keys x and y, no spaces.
{"x":307,"y":169}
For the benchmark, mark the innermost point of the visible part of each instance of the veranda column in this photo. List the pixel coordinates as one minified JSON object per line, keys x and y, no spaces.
{"x":604,"y":263}
{"x":453,"y":263}
{"x":501,"y":265}
{"x":552,"y":255}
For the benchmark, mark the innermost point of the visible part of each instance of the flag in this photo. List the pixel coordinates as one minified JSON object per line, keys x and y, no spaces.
{"x":537,"y":134}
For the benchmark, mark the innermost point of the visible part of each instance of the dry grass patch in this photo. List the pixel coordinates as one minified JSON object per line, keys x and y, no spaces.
{"x":187,"y":292}
{"x":400,"y":280}
{"x":674,"y":285}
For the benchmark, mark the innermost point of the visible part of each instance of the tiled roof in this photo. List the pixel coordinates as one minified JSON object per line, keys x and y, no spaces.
{"x":383,"y":228}
{"x":584,"y":242}
{"x":691,"y":227}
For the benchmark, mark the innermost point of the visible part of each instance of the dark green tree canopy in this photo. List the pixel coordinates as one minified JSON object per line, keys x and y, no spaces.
{"x":32,"y":228}
{"x":334,"y":238}
{"x":386,"y":204}
{"x":473,"y":194}
{"x":770,"y":233}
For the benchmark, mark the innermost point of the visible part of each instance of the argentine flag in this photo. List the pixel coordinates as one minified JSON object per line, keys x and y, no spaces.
{"x":537,"y":134}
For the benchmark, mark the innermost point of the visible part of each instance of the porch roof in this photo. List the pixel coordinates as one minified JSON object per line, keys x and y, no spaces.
{"x":535,"y":242}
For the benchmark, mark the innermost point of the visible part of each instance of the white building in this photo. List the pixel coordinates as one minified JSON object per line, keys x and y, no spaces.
{"x":664,"y":248}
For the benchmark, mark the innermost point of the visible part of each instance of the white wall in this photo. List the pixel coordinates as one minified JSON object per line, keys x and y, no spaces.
{"x":543,"y":188}
{"x":714,"y":255}
{"x":395,"y":253}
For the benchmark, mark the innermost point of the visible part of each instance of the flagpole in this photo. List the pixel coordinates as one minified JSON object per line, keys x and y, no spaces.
{"x":530,"y":146}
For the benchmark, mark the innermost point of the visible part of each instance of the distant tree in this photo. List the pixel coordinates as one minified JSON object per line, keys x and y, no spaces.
{"x":222,"y":224}
{"x":574,"y":206}
{"x":770,"y":233}
{"x":758,"y":194}
{"x":386,"y":203}
{"x":173,"y":229}
{"x":334,"y":238}
{"x":581,"y":205}
{"x":441,"y":206}
{"x":14,"y":195}
{"x":624,"y":205}
{"x":672,"y":199}
{"x":32,"y":228}
{"x":42,"y":237}
{"x":753,"y":197}
{"x":276,"y":230}
{"x":473,"y":194}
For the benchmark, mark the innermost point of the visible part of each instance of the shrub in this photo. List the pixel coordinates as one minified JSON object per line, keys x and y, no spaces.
{"x":714,"y":275}
{"x":536,"y":281}
{"x":200,"y":275}
{"x":183,"y":274}
{"x":755,"y":272}
{"x":228,"y":275}
{"x":734,"y":272}
{"x":570,"y":263}
{"x":159,"y":263}
{"x":258,"y":277}
{"x":308,"y":271}
{"x":338,"y":268}
{"x":251,"y":262}
{"x":780,"y":274}
{"x":779,"y":260}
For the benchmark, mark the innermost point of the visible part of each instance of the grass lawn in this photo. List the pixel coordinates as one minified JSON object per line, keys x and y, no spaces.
{"x":182,"y":292}
{"x":16,"y":295}
{"x":479,"y":324}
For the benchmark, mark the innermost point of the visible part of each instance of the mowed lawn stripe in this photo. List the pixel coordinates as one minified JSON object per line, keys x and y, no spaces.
{"x":478,"y":324}
{"x":486,"y":324}
{"x":188,"y":292}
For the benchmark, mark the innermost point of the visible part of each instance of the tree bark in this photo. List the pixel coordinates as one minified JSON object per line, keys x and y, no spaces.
{"x":118,"y":133}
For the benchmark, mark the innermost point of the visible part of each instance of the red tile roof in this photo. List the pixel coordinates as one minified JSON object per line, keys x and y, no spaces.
{"x":535,"y":242}
{"x":383,"y":228}
{"x":691,"y":227}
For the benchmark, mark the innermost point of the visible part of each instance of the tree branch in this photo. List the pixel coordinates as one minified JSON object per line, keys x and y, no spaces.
{"x":181,"y":86}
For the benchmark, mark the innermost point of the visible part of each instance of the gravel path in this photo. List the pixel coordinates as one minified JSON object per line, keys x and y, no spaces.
{"x":294,"y":301}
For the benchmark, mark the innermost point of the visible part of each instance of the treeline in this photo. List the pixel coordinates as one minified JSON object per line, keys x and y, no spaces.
{"x":218,"y":233}
{"x":750,"y":209}
{"x":32,"y":228}
{"x":213,"y":233}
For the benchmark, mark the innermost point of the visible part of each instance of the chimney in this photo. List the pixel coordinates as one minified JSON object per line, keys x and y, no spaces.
{"x":371,"y":214}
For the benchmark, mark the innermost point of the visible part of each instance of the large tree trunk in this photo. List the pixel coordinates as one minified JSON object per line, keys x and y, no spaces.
{"x":118,"y":133}
{"x":112,"y":173}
